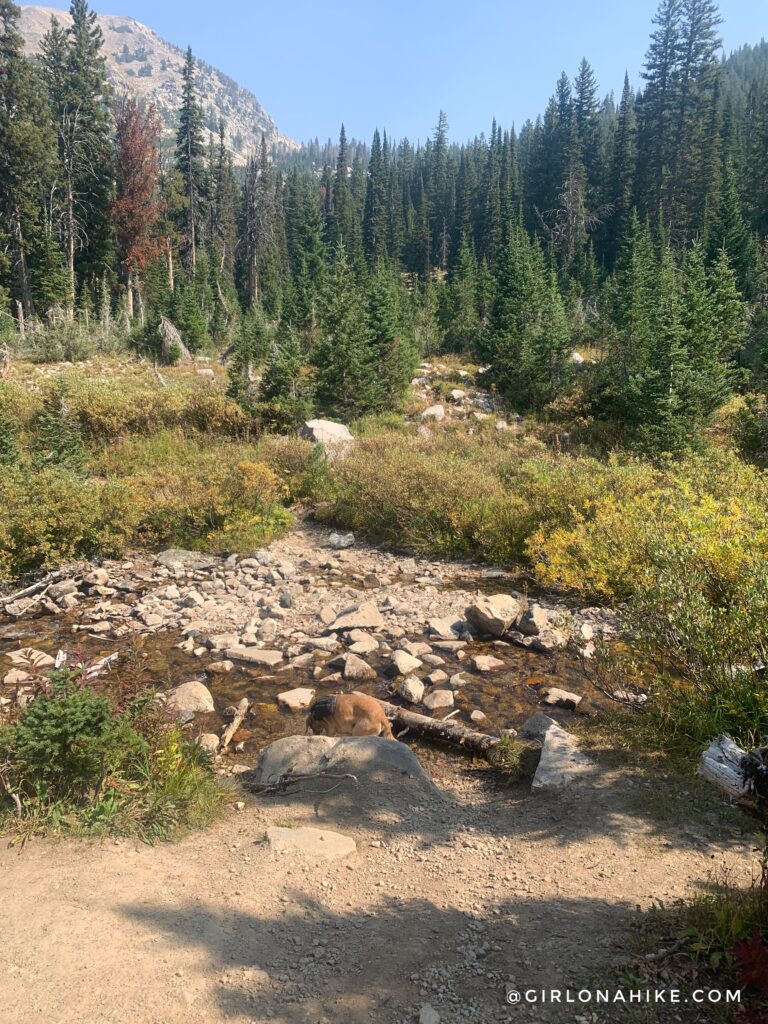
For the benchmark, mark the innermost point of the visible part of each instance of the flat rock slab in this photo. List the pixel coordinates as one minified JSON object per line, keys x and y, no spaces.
{"x":30,"y":657}
{"x":314,"y":843}
{"x":296,"y":700}
{"x":366,"y":616}
{"x":561,"y":764}
{"x":255,"y":656}
{"x":177,"y":558}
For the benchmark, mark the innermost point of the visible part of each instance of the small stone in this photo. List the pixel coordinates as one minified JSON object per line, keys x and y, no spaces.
{"x":434,"y":412}
{"x":327,"y":615}
{"x":191,"y":697}
{"x":404,"y":663}
{"x":437,"y":677}
{"x":255,"y":656}
{"x":487,"y":663}
{"x":209,"y":742}
{"x":428,"y":1015}
{"x":365,"y":616}
{"x":314,"y":843}
{"x":439,"y":699}
{"x":561,"y":698}
{"x":411,"y":689}
{"x":221,"y":668}
{"x":357,"y":669}
{"x":341,"y":541}
{"x":296,"y":700}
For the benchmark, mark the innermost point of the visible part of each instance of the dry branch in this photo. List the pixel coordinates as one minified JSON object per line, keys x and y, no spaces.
{"x":446,"y":731}
{"x":242,"y":710}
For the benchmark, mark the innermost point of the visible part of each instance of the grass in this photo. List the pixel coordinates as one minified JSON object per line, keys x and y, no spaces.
{"x":84,"y":761}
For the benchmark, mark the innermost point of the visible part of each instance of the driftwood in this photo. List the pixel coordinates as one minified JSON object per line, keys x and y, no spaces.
{"x":242,"y":710}
{"x":171,"y":339}
{"x":36,"y":588}
{"x":283,"y":782}
{"x":723,"y":765}
{"x":479,"y":743}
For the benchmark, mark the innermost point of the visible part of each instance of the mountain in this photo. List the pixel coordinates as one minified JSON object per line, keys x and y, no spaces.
{"x":142,"y":64}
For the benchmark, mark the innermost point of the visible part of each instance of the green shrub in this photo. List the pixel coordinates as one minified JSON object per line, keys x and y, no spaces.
{"x":76,"y":761}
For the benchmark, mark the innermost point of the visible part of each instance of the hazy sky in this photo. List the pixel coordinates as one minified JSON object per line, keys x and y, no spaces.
{"x":394,"y":64}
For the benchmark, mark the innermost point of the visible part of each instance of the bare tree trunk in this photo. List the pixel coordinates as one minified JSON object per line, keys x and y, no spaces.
{"x":140,"y":302}
{"x":22,"y":324}
{"x":25,"y":286}
{"x":129,"y":295}
{"x":71,"y":249}
{"x":479,"y":743}
{"x":169,"y":262}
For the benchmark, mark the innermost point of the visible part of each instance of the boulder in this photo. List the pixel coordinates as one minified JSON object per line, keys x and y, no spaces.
{"x":534,"y":620}
{"x":356,"y":668}
{"x":487,"y":663}
{"x":411,"y":689}
{"x":97,"y":578}
{"x":362,"y":642}
{"x":387,"y":772}
{"x":209,"y":742}
{"x":327,"y":432}
{"x":404,"y":663}
{"x":444,"y":629}
{"x":340,"y":541}
{"x":221,"y":668}
{"x":178,"y":558}
{"x":296,"y":700}
{"x":439,"y":699}
{"x":365,"y":616}
{"x":478,"y":717}
{"x":561,"y":698}
{"x":31,"y":658}
{"x":434,"y":412}
{"x":561,"y":760}
{"x":255,"y":656}
{"x":58,"y":591}
{"x":312,"y":843}
{"x":495,"y":615}
{"x":191,"y":698}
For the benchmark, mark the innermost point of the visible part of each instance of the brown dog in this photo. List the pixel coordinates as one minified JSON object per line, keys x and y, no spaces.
{"x":348,"y":714}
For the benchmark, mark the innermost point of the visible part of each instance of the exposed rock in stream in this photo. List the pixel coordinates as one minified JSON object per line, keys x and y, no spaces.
{"x":306,"y":615}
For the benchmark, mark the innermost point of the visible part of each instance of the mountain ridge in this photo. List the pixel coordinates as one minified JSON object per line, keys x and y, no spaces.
{"x":143,"y":64}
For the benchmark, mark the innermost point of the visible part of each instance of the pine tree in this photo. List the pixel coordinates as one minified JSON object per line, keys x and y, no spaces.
{"x":74,"y":69}
{"x":286,"y":393}
{"x":190,"y":152}
{"x":346,"y":384}
{"x":250,"y":347}
{"x":26,"y":155}
{"x":375,"y":219}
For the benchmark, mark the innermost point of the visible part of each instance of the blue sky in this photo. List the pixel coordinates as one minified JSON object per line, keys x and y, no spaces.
{"x":394,"y":64}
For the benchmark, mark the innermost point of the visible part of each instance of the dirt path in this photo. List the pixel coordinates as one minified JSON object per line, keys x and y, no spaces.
{"x":440,"y":906}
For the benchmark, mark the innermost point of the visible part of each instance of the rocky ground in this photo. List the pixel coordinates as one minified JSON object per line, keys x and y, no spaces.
{"x":438,"y":899}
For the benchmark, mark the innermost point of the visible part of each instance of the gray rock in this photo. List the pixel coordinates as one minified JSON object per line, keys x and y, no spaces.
{"x":296,"y":700}
{"x":191,"y":698}
{"x":57,"y":591}
{"x":428,"y":1015}
{"x":411,"y":689}
{"x":445,"y":629}
{"x":534,"y":621}
{"x":340,"y":541}
{"x":327,"y":432}
{"x":357,"y":669}
{"x":209,"y":742}
{"x":177,"y":558}
{"x":561,"y":698}
{"x":404,"y":664}
{"x":312,"y":843}
{"x":434,"y":412}
{"x":365,"y":616}
{"x":220,"y":668}
{"x":439,"y":699}
{"x":96,"y":578}
{"x":377,"y":763}
{"x":495,"y":615}
{"x":561,"y":764}
{"x":255,"y":656}
{"x":487,"y":663}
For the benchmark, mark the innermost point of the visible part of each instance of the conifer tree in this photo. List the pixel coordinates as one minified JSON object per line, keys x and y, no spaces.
{"x":346,"y":381}
{"x":190,"y":151}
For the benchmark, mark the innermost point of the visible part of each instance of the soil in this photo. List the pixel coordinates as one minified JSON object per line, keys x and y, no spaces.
{"x":440,"y":906}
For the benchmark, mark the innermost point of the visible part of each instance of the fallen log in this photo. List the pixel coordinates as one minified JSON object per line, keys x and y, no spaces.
{"x":36,"y":588}
{"x":479,"y":743}
{"x":722,"y":764}
{"x":242,"y":710}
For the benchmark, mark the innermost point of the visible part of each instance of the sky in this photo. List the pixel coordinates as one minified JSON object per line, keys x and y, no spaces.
{"x":395,"y":64}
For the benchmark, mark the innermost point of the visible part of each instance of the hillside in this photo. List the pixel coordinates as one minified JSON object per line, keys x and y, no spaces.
{"x":148,"y":67}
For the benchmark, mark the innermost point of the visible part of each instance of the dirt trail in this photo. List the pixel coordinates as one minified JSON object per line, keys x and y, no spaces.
{"x":439,"y":907}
